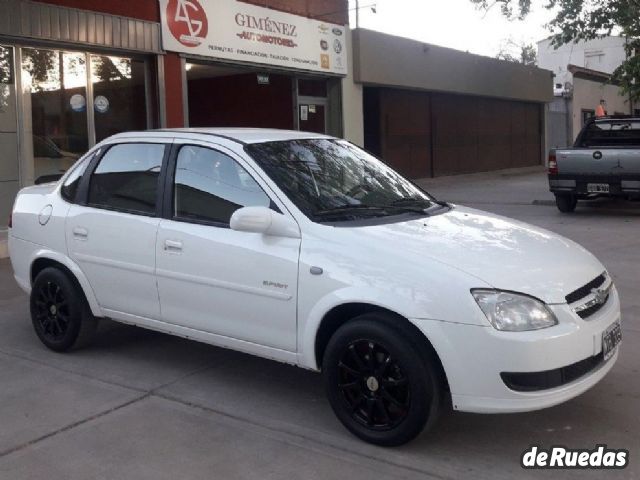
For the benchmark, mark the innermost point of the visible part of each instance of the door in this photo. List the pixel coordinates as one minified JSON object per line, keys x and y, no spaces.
{"x":312,"y":105}
{"x":313,"y":117}
{"x":211,"y":278}
{"x":111,"y":233}
{"x":9,"y":173}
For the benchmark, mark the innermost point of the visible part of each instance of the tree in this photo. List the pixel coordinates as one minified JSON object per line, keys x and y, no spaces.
{"x":524,"y":53}
{"x":39,"y":63}
{"x":577,"y":20}
{"x":5,"y":66}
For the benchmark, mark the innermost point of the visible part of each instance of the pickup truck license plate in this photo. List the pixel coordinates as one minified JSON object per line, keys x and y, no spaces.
{"x":611,"y":338}
{"x":597,"y":187}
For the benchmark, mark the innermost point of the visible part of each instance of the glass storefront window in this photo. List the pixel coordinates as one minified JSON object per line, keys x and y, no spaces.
{"x":312,"y":88}
{"x":56,"y":81}
{"x":55,"y":124}
{"x":118,"y":95}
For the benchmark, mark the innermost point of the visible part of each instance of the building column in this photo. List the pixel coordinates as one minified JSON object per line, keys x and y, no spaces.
{"x":173,"y":89}
{"x":352,"y":107}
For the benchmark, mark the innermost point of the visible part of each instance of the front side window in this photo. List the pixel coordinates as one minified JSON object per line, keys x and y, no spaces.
{"x":209,"y":186}
{"x":127,"y":178}
{"x":334,"y":180}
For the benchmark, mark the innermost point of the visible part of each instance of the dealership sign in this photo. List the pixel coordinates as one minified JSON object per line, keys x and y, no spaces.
{"x":239,"y":31}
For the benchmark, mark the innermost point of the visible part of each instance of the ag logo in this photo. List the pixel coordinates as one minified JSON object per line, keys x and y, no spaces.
{"x":187,"y":21}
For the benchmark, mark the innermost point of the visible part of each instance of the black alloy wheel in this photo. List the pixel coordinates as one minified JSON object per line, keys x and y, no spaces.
{"x":52,"y":311}
{"x":383,"y":381}
{"x":59,"y":311}
{"x":373,"y":386}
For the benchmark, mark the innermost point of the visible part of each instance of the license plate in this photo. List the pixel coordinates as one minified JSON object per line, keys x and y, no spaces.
{"x":598,"y":187}
{"x":611,"y":338}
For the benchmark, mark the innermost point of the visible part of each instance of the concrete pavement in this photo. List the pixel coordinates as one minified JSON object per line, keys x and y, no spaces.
{"x":139,"y":404}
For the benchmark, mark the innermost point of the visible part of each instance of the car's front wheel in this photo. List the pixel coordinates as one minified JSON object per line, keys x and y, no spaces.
{"x":59,"y":312}
{"x":382,"y":384}
{"x":566,"y":202}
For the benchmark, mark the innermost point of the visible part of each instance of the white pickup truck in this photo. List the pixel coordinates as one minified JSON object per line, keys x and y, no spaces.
{"x":604,"y":162}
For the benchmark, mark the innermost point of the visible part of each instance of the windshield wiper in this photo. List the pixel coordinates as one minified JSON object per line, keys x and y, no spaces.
{"x":348,"y":210}
{"x":409,"y":205}
{"x":412,"y":202}
{"x":419,"y":205}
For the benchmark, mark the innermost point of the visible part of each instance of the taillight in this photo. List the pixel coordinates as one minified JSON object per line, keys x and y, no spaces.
{"x":10,"y":222}
{"x":553,"y":164}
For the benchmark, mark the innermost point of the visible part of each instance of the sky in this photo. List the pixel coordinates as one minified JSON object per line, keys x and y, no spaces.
{"x":453,"y":23}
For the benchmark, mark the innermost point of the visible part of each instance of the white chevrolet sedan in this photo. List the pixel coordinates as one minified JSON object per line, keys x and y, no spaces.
{"x":305,"y":249}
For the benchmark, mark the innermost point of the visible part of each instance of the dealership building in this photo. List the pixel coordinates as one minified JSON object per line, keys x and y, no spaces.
{"x":73,"y":72}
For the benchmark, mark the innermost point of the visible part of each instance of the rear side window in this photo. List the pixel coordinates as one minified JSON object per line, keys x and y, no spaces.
{"x":126,"y":178}
{"x":209,"y":186}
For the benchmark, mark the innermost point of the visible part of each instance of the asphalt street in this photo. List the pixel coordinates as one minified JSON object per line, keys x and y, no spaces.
{"x":143,"y":405}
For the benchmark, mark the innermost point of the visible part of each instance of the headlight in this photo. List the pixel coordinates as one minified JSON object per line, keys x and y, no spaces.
{"x":513,"y":312}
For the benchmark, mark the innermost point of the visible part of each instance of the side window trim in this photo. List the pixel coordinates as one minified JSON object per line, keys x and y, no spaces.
{"x":169,"y":182}
{"x":82,"y":194}
{"x":82,"y":197}
{"x":87,"y":158}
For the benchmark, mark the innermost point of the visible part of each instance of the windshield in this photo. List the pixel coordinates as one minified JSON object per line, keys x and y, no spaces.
{"x":332,"y":180}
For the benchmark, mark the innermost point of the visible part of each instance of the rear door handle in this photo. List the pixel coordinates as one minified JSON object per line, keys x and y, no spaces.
{"x":80,"y":233}
{"x":173,"y":245}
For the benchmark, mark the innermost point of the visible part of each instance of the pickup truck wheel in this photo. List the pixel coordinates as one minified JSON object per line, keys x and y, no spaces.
{"x":379,"y":384}
{"x":59,"y":312}
{"x":566,"y":203}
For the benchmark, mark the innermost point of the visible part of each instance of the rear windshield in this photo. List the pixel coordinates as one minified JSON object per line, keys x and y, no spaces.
{"x":611,"y":133}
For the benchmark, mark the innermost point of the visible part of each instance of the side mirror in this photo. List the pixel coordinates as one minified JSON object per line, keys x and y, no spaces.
{"x":263,"y":220}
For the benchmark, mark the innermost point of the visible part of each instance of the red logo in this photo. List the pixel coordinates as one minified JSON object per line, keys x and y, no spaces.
{"x":187,"y":21}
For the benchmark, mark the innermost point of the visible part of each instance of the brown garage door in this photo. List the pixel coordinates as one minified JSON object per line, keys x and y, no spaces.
{"x":423,"y":134}
{"x":472,"y":134}
{"x":405,"y":132}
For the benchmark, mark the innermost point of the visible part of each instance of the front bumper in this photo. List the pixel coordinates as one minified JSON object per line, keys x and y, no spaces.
{"x":474,"y":357}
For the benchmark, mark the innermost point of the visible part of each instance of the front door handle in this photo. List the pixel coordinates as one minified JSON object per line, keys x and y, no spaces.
{"x":173,"y":245}
{"x":80,"y":233}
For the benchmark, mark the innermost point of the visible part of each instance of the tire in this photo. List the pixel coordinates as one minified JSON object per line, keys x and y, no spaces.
{"x":389,"y":397}
{"x":59,"y":311}
{"x":566,"y":203}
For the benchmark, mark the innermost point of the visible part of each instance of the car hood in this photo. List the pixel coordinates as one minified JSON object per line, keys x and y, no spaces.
{"x":504,"y":253}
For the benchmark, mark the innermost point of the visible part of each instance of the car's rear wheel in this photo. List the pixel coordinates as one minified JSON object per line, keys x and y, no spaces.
{"x":566,"y":202}
{"x":381,"y":384}
{"x":59,"y":312}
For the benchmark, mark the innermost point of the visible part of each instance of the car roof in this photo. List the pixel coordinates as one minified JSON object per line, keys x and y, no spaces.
{"x":240,"y":135}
